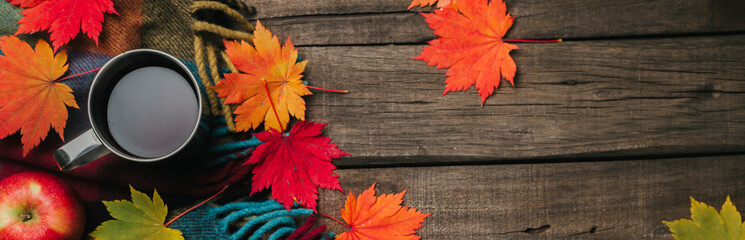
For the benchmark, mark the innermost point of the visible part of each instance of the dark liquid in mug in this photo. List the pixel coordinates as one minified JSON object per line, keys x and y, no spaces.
{"x":152,"y":112}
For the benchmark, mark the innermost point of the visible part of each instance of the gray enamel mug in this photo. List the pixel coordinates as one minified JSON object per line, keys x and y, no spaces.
{"x":144,"y":106}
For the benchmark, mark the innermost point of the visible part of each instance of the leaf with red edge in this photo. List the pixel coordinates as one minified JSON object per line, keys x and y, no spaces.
{"x":63,"y":18}
{"x":30,"y":99}
{"x":294,"y":166}
{"x":440,"y":3}
{"x":382,"y":217}
{"x":266,"y":67}
{"x":470,"y":44}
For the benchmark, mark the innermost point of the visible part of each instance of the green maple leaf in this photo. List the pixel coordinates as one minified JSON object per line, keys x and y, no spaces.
{"x":140,"y":219}
{"x":708,"y":224}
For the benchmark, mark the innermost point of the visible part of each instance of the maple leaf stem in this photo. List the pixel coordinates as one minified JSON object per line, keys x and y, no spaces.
{"x":337,"y":220}
{"x":532,"y":41}
{"x":328,"y":90}
{"x":79,"y":74}
{"x":195,"y":206}
{"x":269,"y":95}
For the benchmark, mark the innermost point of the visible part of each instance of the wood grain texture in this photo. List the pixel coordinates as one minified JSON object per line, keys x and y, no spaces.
{"x":359,"y":22}
{"x":619,"y":200}
{"x":617,"y":89}
{"x":352,"y":29}
{"x":619,"y":98}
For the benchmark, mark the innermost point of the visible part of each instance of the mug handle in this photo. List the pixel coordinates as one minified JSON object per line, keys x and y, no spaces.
{"x":80,"y":151}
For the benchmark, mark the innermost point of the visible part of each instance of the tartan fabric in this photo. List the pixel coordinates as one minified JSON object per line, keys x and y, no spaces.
{"x":158,"y":24}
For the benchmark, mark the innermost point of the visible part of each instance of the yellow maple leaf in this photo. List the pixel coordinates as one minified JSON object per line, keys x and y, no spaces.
{"x":142,"y":218}
{"x":30,"y":98}
{"x":269,"y":78}
{"x":708,"y":224}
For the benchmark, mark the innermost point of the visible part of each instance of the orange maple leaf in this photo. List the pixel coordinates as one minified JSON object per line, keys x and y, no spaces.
{"x":268,"y":68}
{"x":471,"y":45}
{"x":371,"y":217}
{"x":30,"y":99}
{"x":440,"y":3}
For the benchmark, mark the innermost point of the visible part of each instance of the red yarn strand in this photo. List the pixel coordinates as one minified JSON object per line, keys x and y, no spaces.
{"x":195,"y":206}
{"x":79,"y":74}
{"x":337,"y":220}
{"x":532,"y":41}
{"x":298,"y":233}
{"x":269,"y":95}
{"x":327,"y":90}
{"x":315,"y":233}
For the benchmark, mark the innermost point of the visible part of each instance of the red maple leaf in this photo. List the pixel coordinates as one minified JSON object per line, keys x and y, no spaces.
{"x":64,"y":18}
{"x":295,"y":165}
{"x":471,"y":45}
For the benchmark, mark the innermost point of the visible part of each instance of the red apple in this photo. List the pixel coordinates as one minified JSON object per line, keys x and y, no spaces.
{"x":37,"y":205}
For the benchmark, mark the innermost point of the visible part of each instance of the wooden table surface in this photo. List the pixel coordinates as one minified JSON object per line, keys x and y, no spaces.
{"x":604,"y":136}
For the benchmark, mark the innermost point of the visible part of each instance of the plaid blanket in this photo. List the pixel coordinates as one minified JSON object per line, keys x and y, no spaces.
{"x":157,"y":24}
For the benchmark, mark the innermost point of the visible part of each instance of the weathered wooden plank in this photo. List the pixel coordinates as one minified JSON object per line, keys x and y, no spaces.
{"x":618,"y":199}
{"x":618,"y":98}
{"x":352,"y":29}
{"x":333,"y":22}
{"x":288,"y":8}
